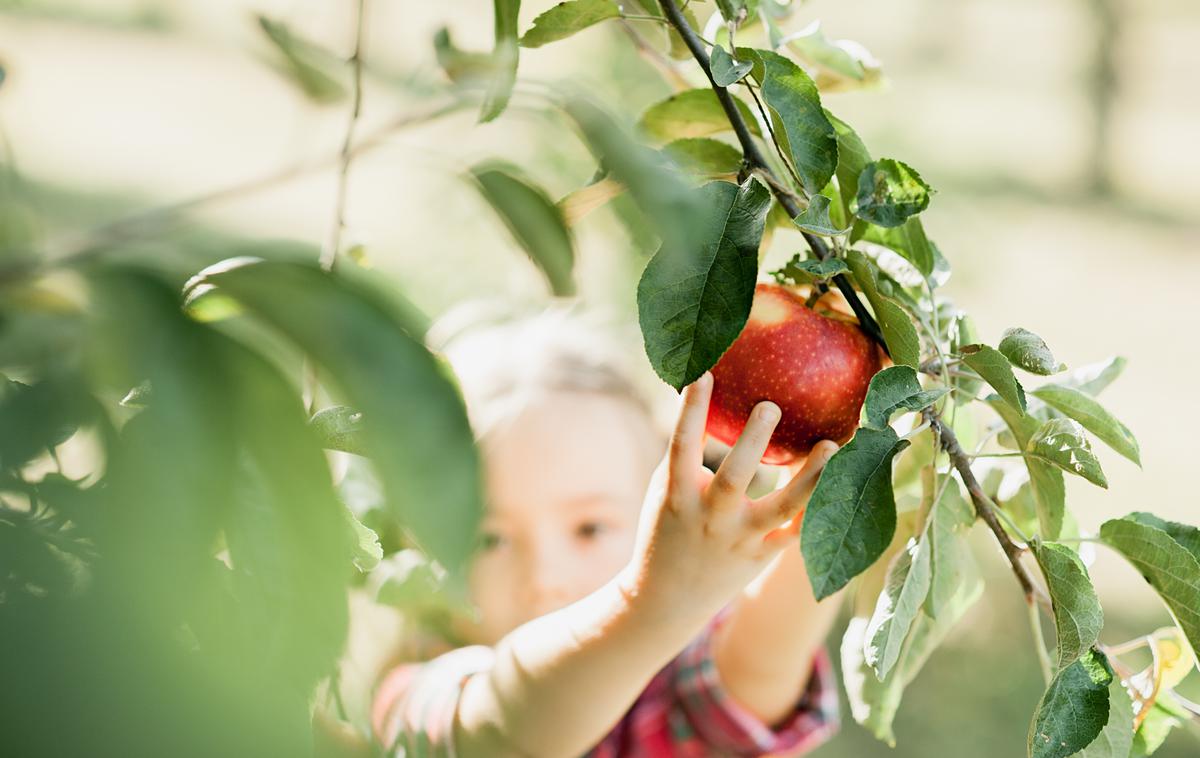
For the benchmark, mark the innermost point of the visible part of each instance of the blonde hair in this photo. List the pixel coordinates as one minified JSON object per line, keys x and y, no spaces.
{"x":504,"y":356}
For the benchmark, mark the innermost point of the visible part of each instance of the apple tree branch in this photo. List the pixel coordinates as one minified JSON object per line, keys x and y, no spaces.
{"x":758,"y":163}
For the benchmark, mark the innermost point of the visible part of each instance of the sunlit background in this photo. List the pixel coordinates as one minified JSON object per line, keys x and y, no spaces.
{"x":1060,"y":135}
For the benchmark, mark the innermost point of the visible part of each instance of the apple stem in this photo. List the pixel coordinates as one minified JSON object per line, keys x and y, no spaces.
{"x":759,"y":162}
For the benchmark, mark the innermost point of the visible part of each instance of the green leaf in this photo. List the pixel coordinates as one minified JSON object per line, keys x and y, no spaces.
{"x":693,"y":304}
{"x":852,"y":159}
{"x":701,"y":155}
{"x":161,"y":471}
{"x":792,"y":95}
{"x":732,"y":10}
{"x":898,"y":330}
{"x":1094,"y":377}
{"x":1074,"y":709}
{"x":908,"y":241}
{"x":890,"y":191}
{"x":1081,"y":407}
{"x":807,"y":271}
{"x":1026,"y":350}
{"x":964,"y":333}
{"x":678,"y":49}
{"x":415,"y":426}
{"x":37,"y":418}
{"x":896,"y":389}
{"x":567,"y":18}
{"x":691,"y":113}
{"x":901,"y":600}
{"x":1078,"y":618}
{"x":461,"y":65}
{"x":810,"y":45}
{"x":1061,"y":441}
{"x":505,"y":56}
{"x":675,"y":211}
{"x":1166,"y":564}
{"x":1116,"y":739}
{"x":1187,"y":536}
{"x":1163,"y":717}
{"x":365,"y":550}
{"x":815,"y":218}
{"x":534,"y":220}
{"x":411,"y":582}
{"x":1046,"y":481}
{"x":725,"y":69}
{"x":873,"y":703}
{"x":950,"y":561}
{"x":995,"y":369}
{"x":315,"y":70}
{"x":851,"y":515}
{"x":339,"y":427}
{"x":289,"y":568}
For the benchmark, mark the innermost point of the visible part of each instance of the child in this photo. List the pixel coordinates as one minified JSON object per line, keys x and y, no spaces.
{"x":616,"y":618}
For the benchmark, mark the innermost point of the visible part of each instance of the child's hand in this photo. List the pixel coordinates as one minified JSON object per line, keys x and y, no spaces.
{"x":701,"y":540}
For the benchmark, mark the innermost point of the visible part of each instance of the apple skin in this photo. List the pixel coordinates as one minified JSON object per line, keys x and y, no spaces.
{"x":815,"y":367}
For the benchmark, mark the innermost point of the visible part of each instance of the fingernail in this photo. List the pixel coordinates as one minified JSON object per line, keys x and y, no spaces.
{"x":768,"y":411}
{"x":704,"y":381}
{"x":830,"y":449}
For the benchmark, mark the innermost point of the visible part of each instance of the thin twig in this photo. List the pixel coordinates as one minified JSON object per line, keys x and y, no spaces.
{"x":983,"y":504}
{"x":156,"y":220}
{"x":656,"y":57}
{"x":333,"y":245}
{"x":757,"y":160}
{"x":1039,"y":643}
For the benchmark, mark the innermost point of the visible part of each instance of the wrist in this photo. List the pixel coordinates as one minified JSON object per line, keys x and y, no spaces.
{"x":667,"y":617}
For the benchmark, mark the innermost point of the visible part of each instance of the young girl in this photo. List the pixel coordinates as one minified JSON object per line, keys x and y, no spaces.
{"x":623,"y":610}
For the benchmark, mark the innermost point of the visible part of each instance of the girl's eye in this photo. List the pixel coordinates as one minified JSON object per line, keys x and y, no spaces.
{"x":589,"y":530}
{"x":489,"y":541}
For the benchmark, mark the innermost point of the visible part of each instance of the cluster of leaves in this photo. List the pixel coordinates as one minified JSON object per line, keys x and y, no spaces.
{"x":194,"y":578}
{"x":187,"y":592}
{"x":890,"y":509}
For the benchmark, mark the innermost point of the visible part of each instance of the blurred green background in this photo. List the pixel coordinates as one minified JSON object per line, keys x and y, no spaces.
{"x":1060,"y":135}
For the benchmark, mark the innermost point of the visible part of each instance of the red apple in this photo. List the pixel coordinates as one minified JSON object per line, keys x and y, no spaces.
{"x":814,"y":364}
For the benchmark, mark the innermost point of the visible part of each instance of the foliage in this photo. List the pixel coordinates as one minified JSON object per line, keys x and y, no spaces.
{"x":201,"y":564}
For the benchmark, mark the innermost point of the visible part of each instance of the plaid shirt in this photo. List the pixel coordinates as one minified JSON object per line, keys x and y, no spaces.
{"x":683,"y":713}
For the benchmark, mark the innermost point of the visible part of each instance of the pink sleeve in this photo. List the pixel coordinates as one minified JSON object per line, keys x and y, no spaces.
{"x":723,"y":725}
{"x":414,"y":706}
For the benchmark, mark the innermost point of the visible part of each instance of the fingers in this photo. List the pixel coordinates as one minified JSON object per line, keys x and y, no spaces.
{"x":737,"y":470}
{"x":686,"y":454}
{"x":789,"y":502}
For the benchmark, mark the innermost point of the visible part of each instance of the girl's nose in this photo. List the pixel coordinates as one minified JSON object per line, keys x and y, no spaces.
{"x":547,"y":580}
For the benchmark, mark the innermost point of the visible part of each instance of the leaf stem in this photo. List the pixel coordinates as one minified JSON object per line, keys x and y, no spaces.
{"x":1039,"y":641}
{"x":937,"y":346}
{"x":1013,"y":525}
{"x":1137,"y":643}
{"x":771,"y":131}
{"x":757,"y":160}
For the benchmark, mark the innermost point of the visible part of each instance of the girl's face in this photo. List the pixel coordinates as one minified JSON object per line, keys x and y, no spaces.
{"x":565,"y":480}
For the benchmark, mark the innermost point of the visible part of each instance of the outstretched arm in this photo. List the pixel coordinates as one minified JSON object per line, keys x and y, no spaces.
{"x":560,"y":682}
{"x":765,"y":650}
